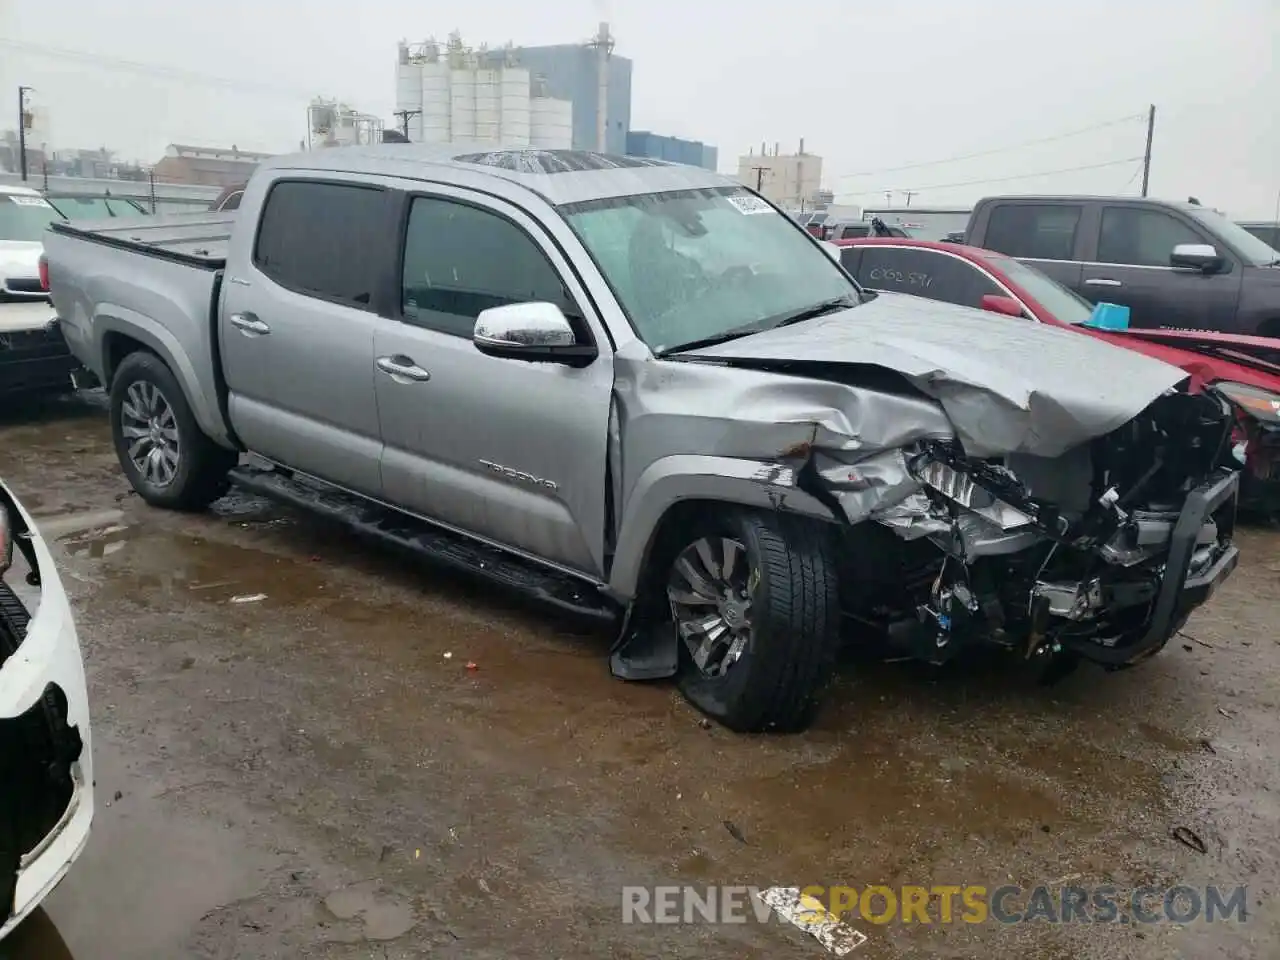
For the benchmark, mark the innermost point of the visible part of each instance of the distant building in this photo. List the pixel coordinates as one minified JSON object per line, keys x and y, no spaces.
{"x":206,"y":166}
{"x":789,"y":180}
{"x":694,"y":153}
{"x":540,"y":96}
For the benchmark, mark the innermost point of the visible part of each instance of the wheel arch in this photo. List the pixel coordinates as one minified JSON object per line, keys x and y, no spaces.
{"x":118,"y":337}
{"x":674,"y":489}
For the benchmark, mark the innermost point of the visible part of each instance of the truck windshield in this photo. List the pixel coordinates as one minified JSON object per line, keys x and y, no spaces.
{"x":699,"y":265}
{"x":1064,"y":304}
{"x":1250,"y":247}
{"x":24,"y":217}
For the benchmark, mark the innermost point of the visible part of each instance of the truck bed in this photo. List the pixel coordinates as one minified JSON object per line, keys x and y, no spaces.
{"x":196,"y":239}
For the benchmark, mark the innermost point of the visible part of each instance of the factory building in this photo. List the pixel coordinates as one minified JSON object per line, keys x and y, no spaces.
{"x":521,"y":96}
{"x":693,"y":153}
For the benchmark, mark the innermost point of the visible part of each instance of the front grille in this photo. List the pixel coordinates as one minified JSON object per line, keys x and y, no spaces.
{"x":46,"y":341}
{"x":13,"y":622}
{"x":24,"y":285}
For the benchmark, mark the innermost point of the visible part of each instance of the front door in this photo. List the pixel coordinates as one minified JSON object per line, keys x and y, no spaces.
{"x":511,"y":451}
{"x":1132,"y":268}
{"x":297,"y":328}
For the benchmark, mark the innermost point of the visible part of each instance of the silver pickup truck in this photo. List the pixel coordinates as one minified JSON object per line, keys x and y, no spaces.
{"x":638,"y":390}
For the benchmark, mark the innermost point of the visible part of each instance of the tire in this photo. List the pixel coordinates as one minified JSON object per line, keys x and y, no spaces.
{"x":199,"y":466}
{"x":788,"y":654}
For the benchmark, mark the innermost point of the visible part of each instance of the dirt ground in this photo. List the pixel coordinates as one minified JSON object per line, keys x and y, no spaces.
{"x":319,"y":774}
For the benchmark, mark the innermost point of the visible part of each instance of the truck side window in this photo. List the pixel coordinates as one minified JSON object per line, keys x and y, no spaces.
{"x":460,"y":259}
{"x":1033,"y":231}
{"x":317,"y":239}
{"x":1142,"y":238}
{"x":232,"y":202}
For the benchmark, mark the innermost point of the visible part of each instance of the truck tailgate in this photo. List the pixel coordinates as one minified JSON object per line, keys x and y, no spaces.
{"x":119,"y":285}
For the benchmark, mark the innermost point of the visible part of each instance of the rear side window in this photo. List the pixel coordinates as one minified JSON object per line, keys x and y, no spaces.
{"x":460,"y":260}
{"x":321,"y":239}
{"x":1142,"y":238}
{"x":1034,"y":231}
{"x":924,"y":273}
{"x":232,"y":202}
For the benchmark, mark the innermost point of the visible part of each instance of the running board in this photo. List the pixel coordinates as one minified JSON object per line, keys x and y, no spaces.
{"x":428,"y":541}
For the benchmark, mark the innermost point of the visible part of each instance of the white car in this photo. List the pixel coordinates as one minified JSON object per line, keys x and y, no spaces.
{"x":24,"y":217}
{"x":46,"y":768}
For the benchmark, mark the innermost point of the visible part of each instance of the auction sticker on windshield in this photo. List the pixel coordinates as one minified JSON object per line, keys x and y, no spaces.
{"x":748,"y":204}
{"x":29,"y":201}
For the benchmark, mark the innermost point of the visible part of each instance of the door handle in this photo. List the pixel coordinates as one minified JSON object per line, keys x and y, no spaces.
{"x":1102,"y":282}
{"x":402,"y":369}
{"x":249,"y":324}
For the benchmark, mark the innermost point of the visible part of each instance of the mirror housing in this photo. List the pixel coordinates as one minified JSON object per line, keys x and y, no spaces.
{"x":535,"y":332}
{"x":1197,"y":256}
{"x":1009,"y":307}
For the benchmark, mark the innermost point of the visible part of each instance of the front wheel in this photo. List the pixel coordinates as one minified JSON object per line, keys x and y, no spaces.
{"x":756,"y":608}
{"x":165,"y":455}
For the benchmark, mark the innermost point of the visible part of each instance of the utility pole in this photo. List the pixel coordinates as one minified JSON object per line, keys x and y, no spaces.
{"x":22,"y":130}
{"x":1146,"y":157}
{"x":888,"y":198}
{"x":404,"y":116}
{"x":760,"y":172}
{"x":909,"y":195}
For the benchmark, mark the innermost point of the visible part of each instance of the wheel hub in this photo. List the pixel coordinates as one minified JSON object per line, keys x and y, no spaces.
{"x":150,"y":431}
{"x":711,"y":603}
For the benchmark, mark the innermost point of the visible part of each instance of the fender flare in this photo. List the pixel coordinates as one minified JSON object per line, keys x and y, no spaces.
{"x":114,"y":319}
{"x":675,"y":479}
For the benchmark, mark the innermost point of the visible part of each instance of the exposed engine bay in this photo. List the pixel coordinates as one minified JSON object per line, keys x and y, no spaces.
{"x":1101,"y":552}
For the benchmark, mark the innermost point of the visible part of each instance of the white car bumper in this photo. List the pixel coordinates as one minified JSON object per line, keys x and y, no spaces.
{"x":45,"y":663}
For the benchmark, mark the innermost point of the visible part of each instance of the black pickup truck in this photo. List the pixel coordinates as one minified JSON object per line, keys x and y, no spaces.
{"x":1177,"y":265}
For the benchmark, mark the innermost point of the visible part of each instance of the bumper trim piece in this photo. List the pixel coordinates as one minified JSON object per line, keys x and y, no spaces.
{"x":1180,"y":592}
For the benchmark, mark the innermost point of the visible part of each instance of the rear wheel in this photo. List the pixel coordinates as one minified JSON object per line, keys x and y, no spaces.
{"x":164,"y":453}
{"x":755,"y":603}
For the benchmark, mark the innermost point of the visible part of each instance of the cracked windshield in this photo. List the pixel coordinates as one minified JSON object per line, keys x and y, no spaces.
{"x":679,"y":480}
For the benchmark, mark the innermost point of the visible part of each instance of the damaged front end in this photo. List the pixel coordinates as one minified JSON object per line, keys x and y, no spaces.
{"x":1100,"y":553}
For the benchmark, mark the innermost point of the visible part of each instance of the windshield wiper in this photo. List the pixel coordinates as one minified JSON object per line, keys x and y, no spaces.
{"x":712,"y":341}
{"x":808,"y":313}
{"x":817,"y":310}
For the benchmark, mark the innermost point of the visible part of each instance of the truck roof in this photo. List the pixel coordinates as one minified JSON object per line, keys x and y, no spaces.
{"x":1093,"y":198}
{"x":558,"y":176}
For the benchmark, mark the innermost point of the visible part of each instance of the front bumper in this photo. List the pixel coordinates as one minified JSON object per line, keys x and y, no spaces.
{"x":44,"y":677}
{"x":1182,"y":588}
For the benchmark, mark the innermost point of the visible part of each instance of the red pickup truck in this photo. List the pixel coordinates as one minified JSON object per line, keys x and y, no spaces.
{"x":1245,"y":368}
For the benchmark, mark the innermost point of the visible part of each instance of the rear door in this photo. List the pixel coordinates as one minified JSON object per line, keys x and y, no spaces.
{"x":1131,"y":266}
{"x":1047,"y":234}
{"x":508,"y":450}
{"x":297,"y":326}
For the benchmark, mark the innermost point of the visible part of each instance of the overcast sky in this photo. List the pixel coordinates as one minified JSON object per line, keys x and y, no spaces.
{"x":871,"y":86}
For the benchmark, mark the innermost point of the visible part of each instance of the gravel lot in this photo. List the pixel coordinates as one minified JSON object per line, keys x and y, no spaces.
{"x":319,"y":774}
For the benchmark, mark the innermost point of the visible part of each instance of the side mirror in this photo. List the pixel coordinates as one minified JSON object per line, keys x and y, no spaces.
{"x":537,"y":332}
{"x":995,"y":303}
{"x":833,"y":251}
{"x":1197,"y":256}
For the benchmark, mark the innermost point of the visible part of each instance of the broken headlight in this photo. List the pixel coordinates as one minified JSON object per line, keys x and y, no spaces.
{"x":1261,"y":404}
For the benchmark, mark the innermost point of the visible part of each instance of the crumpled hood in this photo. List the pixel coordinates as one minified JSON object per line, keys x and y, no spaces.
{"x":1005,"y":386}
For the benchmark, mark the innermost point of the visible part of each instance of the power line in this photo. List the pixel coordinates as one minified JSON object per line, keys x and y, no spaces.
{"x":1021,"y":176}
{"x":151,"y":69}
{"x":987,"y":153}
{"x":1132,"y":177}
